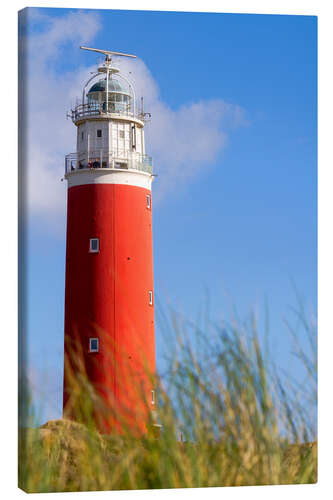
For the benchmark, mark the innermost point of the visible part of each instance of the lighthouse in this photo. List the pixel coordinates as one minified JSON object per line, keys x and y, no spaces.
{"x":109,"y":293}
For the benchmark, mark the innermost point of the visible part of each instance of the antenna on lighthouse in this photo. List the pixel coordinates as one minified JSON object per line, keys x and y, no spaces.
{"x":107,"y":53}
{"x":107,"y":68}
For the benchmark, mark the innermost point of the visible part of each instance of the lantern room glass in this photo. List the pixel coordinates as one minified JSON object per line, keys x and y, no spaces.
{"x":119,"y":98}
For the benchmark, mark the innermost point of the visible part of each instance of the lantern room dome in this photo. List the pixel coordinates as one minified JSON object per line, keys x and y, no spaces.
{"x":113,"y":86}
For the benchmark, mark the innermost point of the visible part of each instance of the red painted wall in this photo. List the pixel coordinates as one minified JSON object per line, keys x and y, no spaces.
{"x":107,"y":296}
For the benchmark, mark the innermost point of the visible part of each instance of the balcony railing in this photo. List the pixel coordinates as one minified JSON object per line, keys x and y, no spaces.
{"x":100,"y":109}
{"x":104,"y":159}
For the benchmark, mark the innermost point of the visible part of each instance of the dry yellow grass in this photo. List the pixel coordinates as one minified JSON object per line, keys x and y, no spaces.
{"x":240,"y":425}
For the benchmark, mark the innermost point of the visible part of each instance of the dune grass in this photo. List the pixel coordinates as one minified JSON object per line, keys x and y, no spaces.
{"x":229,"y":417}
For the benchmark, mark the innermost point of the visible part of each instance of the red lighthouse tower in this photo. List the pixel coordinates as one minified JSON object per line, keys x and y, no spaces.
{"x":109,"y":296}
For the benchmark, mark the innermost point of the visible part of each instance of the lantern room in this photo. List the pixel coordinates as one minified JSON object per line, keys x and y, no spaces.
{"x":110,"y":129}
{"x":116,"y":100}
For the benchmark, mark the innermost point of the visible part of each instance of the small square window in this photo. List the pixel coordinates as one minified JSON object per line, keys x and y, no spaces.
{"x":121,"y":134}
{"x":148,"y":200}
{"x":94,"y":245}
{"x":150,"y":297}
{"x":93,"y":345}
{"x":99,"y":133}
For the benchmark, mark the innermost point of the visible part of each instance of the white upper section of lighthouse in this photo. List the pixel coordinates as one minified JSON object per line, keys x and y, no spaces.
{"x":110,"y":132}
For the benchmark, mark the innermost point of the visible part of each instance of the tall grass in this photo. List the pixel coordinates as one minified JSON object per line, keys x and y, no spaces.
{"x":228,"y":416}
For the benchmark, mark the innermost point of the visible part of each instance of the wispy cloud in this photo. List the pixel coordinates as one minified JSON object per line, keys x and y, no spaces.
{"x":182,"y":141}
{"x":48,"y":94}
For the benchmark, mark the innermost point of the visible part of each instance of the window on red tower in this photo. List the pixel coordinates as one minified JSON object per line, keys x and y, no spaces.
{"x":148,"y":201}
{"x":150,"y":297}
{"x":94,"y":245}
{"x":93,"y":345}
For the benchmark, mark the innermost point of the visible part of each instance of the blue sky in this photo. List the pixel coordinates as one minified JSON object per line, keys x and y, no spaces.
{"x":234,"y":215}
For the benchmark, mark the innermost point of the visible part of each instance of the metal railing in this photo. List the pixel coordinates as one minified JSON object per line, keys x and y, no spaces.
{"x":82,"y":111}
{"x":122,"y":160}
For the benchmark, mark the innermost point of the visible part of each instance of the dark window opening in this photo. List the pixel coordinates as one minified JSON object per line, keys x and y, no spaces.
{"x":93,"y":345}
{"x":94,"y":245}
{"x":99,"y":133}
{"x":133,"y":137}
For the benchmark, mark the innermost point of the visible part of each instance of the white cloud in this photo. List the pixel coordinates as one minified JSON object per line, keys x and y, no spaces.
{"x":182,"y":141}
{"x":49,"y":92}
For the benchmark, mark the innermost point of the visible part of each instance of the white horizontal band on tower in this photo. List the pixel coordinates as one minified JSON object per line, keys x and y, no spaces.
{"x":105,"y":176}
